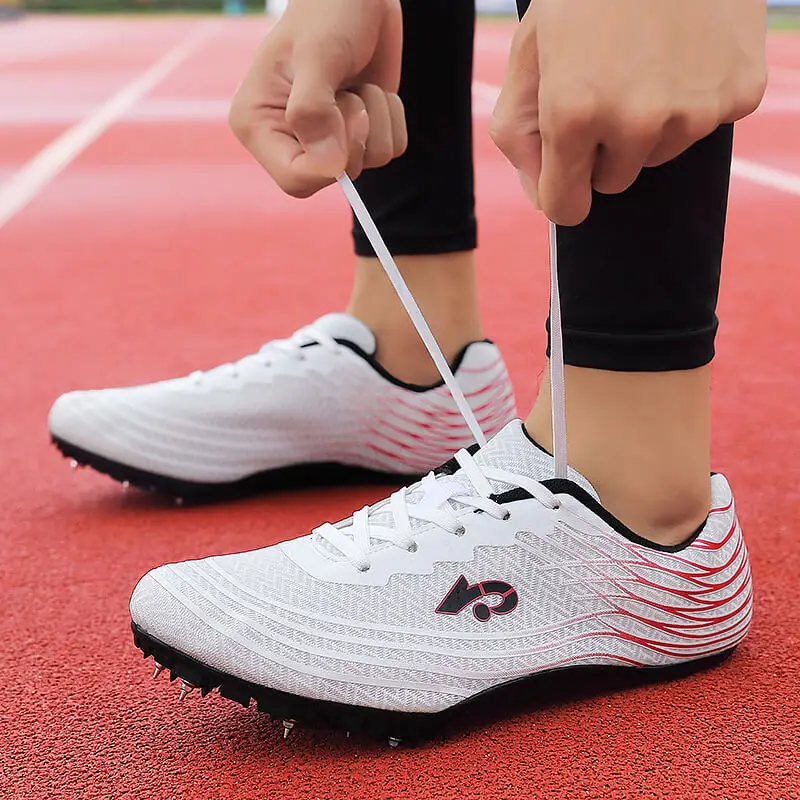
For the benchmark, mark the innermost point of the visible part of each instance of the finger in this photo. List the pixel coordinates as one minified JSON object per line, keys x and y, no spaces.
{"x":357,"y":128}
{"x":681,"y":132}
{"x":380,"y":144}
{"x":514,"y":126}
{"x":312,"y":111}
{"x":397,"y":112}
{"x":530,"y":188}
{"x":745,"y":92}
{"x":621,"y":156}
{"x":569,"y":151}
{"x":515,"y":130}
{"x":286,"y":161}
{"x":265,"y":133}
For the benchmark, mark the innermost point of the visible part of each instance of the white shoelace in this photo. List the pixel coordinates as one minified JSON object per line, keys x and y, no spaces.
{"x":292,"y":347}
{"x":355,"y":540}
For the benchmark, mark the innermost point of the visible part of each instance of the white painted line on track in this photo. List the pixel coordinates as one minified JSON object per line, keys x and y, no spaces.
{"x":28,"y":181}
{"x":779,"y":179}
{"x":35,"y":174}
{"x":486,"y":91}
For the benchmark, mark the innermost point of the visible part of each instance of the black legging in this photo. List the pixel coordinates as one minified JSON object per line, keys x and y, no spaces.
{"x":639,"y":278}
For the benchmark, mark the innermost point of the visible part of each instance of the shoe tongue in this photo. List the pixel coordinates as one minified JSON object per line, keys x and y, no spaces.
{"x":514,"y":451}
{"x":343,"y":326}
{"x":511,"y":450}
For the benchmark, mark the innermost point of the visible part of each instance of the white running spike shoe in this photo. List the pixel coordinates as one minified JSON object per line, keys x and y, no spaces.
{"x":313,"y":407}
{"x":482,"y":574}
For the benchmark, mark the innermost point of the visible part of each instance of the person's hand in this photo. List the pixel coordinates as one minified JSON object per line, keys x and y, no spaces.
{"x":598,"y":89}
{"x":320,"y":97}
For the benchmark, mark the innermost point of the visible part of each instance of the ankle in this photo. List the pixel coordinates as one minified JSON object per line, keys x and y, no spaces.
{"x":404,"y":356}
{"x":666,"y":516}
{"x":642,"y":441}
{"x":444,"y":287}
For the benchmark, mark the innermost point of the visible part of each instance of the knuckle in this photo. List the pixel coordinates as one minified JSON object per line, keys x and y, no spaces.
{"x":693,"y":119}
{"x":699,"y":124}
{"x":644,"y":123}
{"x":506,"y":133}
{"x":498,"y":131}
{"x":751,"y":92}
{"x":573,"y":114}
{"x":302,"y":109}
{"x":239,"y":120}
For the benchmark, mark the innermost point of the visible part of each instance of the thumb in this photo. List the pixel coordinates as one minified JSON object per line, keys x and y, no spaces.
{"x":312,"y":112}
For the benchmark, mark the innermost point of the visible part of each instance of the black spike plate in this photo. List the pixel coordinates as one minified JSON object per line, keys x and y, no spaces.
{"x":293,"y":477}
{"x":522,"y":695}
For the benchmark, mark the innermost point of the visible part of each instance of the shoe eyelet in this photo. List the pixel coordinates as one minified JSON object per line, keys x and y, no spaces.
{"x":506,"y":516}
{"x":460,"y":531}
{"x":412,"y":548}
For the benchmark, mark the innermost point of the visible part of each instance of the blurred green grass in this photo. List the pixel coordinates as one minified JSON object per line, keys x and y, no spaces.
{"x":785,"y":20}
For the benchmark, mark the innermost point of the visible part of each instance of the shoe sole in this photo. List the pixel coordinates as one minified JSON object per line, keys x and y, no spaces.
{"x":293,"y":477}
{"x":558,"y":686}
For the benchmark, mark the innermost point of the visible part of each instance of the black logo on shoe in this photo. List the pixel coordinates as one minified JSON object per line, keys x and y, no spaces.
{"x":463,"y":593}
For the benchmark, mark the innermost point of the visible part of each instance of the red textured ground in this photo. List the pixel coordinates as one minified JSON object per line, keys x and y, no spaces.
{"x":163,"y":249}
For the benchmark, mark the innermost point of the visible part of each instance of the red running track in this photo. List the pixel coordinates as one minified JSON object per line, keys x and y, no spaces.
{"x":161,"y":249}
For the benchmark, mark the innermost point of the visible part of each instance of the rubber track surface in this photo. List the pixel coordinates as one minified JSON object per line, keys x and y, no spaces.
{"x":163,"y":249}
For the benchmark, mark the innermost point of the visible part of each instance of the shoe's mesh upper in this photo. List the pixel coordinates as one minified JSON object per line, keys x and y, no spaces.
{"x":278,"y":409}
{"x":587,"y":595}
{"x":511,"y":450}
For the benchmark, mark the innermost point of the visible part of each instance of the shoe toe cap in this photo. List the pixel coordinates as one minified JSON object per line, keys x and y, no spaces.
{"x":175,"y":606}
{"x":85,"y":419}
{"x":66,"y":413}
{"x":156,"y":610}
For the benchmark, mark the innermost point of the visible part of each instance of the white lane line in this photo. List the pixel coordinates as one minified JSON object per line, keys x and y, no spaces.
{"x":486,"y":91}
{"x":40,"y":170}
{"x":770,"y":177}
{"x":25,"y":184}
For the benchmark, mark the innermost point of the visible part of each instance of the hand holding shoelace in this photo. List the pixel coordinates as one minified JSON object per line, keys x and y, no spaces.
{"x":321,"y":95}
{"x":598,"y":89}
{"x":356,"y":541}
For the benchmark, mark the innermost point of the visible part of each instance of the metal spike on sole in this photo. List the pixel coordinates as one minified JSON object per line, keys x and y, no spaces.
{"x":186,"y":689}
{"x":288,"y":727}
{"x":394,"y":741}
{"x":178,"y":501}
{"x":73,"y":464}
{"x":126,"y":484}
{"x":159,"y":669}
